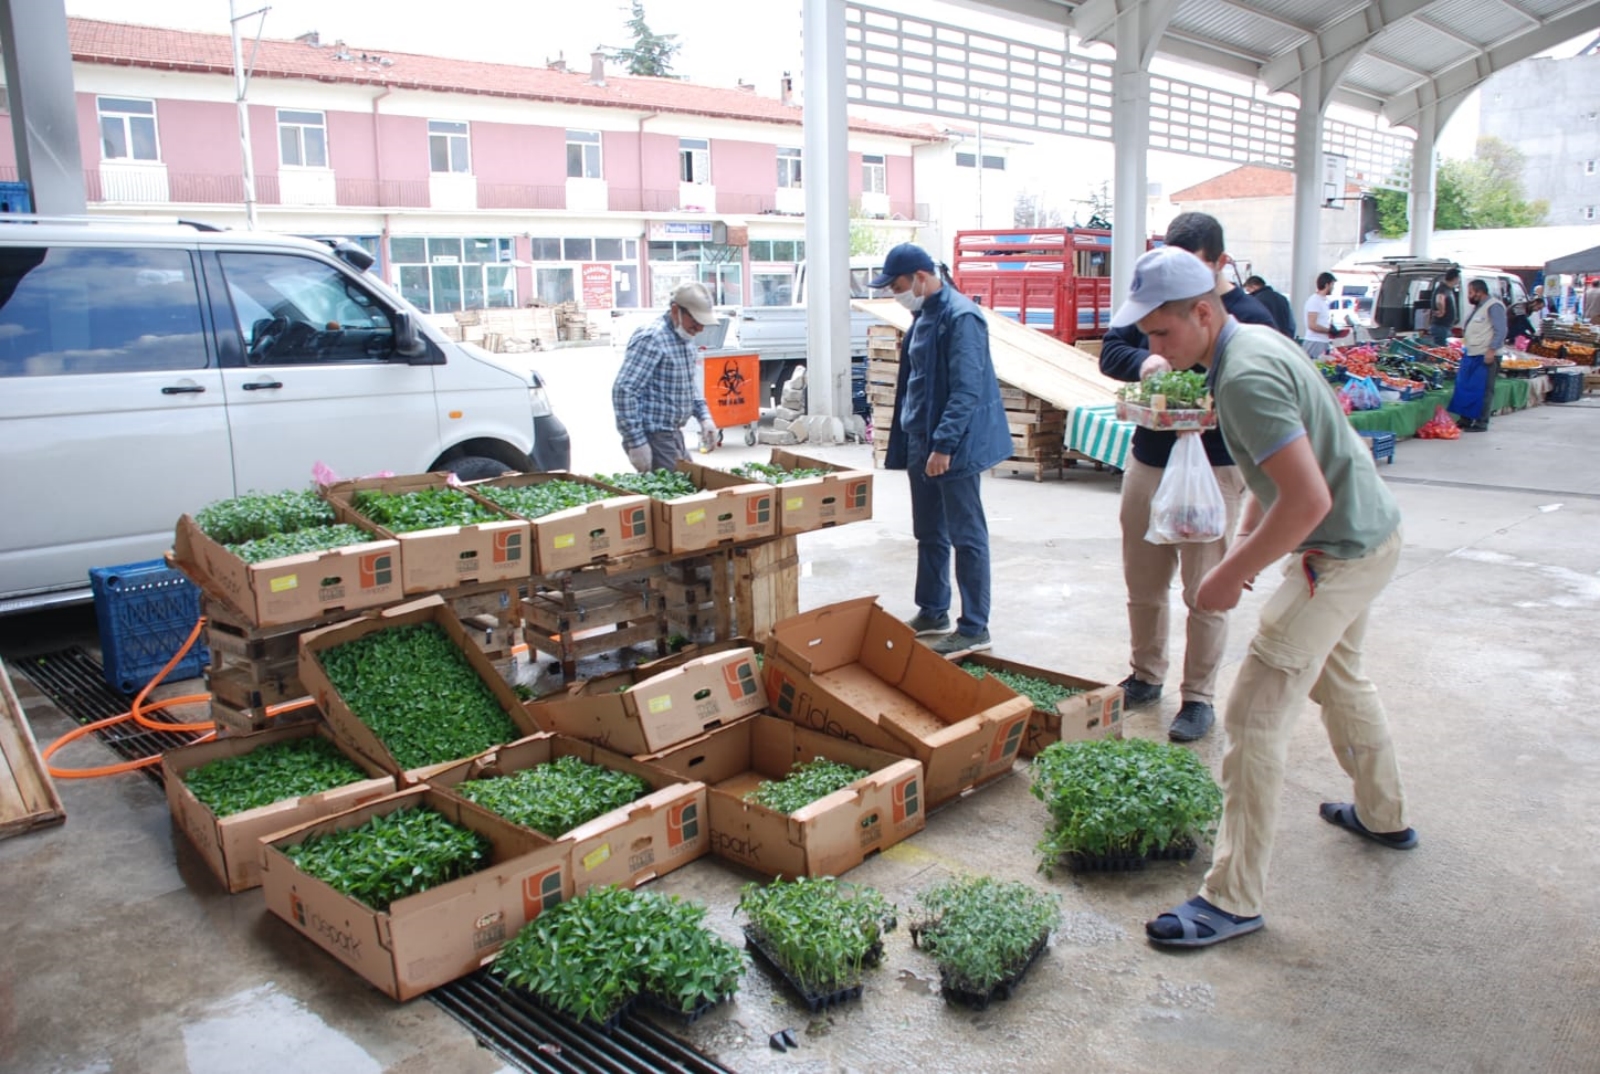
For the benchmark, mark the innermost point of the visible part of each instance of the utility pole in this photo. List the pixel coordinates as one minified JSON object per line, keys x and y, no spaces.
{"x":241,"y":82}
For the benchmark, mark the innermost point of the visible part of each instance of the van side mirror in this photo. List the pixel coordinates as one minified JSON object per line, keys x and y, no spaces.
{"x":408,"y":342}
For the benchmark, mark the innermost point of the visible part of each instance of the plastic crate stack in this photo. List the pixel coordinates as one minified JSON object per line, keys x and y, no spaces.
{"x":145,"y":611}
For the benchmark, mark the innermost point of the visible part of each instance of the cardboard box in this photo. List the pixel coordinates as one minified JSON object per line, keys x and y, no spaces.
{"x":649,"y":837}
{"x":291,"y":589}
{"x":718,"y":514}
{"x":347,"y":726}
{"x":633,"y":712}
{"x":826,"y":838}
{"x":1095,"y":713}
{"x":431,"y":938}
{"x":813,"y":503}
{"x":231,"y":845}
{"x":562,"y":540}
{"x":854,"y":671}
{"x":447,"y":557}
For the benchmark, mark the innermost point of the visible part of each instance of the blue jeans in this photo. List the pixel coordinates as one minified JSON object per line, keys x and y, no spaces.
{"x":1440,"y":334}
{"x":947,"y":513}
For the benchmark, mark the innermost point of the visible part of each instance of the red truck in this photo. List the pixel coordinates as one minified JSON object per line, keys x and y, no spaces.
{"x":1057,"y":280}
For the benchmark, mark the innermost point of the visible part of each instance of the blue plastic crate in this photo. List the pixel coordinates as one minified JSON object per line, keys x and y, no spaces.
{"x":145,"y":611}
{"x":1382,"y":445}
{"x":15,"y":198}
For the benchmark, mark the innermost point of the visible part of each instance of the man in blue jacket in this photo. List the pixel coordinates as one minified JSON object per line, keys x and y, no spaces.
{"x":949,"y":427}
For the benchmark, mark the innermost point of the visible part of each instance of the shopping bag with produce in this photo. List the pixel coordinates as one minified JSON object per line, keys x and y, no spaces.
{"x":1439,"y":427}
{"x":1362,"y":393}
{"x":1188,"y":503}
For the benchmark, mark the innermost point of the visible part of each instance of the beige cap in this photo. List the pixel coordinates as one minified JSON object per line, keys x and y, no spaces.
{"x":697,"y":300}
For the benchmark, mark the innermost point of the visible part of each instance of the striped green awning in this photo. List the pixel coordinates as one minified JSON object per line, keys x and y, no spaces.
{"x":1095,"y":431}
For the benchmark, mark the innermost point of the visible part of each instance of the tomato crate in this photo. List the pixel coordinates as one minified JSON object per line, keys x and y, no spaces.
{"x":145,"y":611}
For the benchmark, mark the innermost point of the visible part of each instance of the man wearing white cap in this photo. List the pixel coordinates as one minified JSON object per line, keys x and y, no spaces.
{"x":658,"y":389}
{"x":1317,"y":495}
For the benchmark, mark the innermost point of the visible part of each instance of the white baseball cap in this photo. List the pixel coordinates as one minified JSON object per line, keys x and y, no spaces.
{"x":694,"y":298}
{"x":1165,"y":274}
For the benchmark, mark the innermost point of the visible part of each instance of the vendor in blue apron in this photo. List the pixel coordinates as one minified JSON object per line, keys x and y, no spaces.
{"x":1482,"y":335}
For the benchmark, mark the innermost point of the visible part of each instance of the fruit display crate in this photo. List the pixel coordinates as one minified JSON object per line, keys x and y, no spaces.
{"x":145,"y":611}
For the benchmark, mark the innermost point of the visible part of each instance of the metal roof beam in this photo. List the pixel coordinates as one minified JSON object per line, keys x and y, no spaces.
{"x":1445,"y":31}
{"x":1267,"y":16}
{"x":1207,"y":53}
{"x":1336,"y":45}
{"x":1517,"y":10}
{"x":1050,"y":14}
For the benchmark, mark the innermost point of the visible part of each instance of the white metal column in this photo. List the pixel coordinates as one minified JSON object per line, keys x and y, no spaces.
{"x":1307,"y":193}
{"x":1137,"y":28}
{"x":1424,"y":181}
{"x":44,"y":107}
{"x":825,"y":173}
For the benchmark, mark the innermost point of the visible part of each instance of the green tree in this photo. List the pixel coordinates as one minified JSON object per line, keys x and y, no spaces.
{"x":1483,"y":192}
{"x":651,"y":53}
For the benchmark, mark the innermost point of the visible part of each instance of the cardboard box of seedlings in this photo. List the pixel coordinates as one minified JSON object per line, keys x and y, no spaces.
{"x":435,"y":936}
{"x":854,"y":671}
{"x":292,"y":589}
{"x":231,"y":845}
{"x":447,"y":556}
{"x":720,"y":513}
{"x":812,"y":503}
{"x":826,"y":838}
{"x":617,"y":526}
{"x":1095,"y":713}
{"x":349,"y":727}
{"x":647,"y":709}
{"x":650,"y":837}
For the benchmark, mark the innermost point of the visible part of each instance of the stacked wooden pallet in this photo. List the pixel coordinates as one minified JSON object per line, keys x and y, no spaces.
{"x":583,"y":612}
{"x":1038,"y":433}
{"x":505,"y":331}
{"x":572,"y":324}
{"x":883,"y":366}
{"x":688,"y":594}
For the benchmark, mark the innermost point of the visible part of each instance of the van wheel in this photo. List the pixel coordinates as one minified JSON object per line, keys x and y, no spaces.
{"x":477,"y":467}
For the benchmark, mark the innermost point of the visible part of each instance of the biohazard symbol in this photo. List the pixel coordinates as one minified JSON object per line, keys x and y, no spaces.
{"x":732,"y":380}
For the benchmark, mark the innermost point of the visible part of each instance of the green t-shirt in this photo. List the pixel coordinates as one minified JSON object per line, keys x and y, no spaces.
{"x":1269,"y":395}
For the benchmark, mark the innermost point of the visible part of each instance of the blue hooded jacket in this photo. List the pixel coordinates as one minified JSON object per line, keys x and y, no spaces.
{"x":965,"y":416}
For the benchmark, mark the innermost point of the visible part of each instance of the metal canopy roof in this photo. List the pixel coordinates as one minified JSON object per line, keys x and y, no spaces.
{"x":1389,"y":57}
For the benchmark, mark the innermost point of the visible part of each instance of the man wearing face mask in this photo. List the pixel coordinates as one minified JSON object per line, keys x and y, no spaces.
{"x":949,"y":427}
{"x":658,"y":389}
{"x":1483,"y":333}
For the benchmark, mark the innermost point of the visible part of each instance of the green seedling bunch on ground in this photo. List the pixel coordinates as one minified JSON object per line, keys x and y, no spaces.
{"x":544,"y":498}
{"x":555,"y":798}
{"x":773,"y":474}
{"x":1044,"y":694}
{"x":806,"y":782}
{"x":424,"y":509}
{"x":299,"y":542}
{"x":591,"y":956}
{"x":981,"y":930}
{"x":1122,"y":796}
{"x":415,"y":689}
{"x":1183,"y":390}
{"x":271,"y":773}
{"x":657,"y":484}
{"x":262,"y":514}
{"x":822,"y":930}
{"x":392,"y":856}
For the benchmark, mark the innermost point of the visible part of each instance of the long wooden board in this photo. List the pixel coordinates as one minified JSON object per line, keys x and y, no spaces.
{"x":28,"y":798}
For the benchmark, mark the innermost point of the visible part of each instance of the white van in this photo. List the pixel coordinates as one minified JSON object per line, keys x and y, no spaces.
{"x":148,"y":370}
{"x":1405,"y":295}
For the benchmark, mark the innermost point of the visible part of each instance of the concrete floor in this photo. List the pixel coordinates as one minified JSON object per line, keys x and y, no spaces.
{"x":1478,"y":951}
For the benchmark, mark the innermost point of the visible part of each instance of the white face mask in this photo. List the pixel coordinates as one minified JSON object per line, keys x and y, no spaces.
{"x":683,"y":333}
{"x":909,"y":297}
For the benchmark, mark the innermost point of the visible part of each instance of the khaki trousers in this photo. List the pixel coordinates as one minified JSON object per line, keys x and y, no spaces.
{"x":1309,"y":641}
{"x":1148,"y":570}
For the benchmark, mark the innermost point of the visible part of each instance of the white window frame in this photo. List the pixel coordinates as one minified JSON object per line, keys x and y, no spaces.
{"x":102,"y":113}
{"x":790,"y":173}
{"x":874,"y":173}
{"x":300,"y":126}
{"x":694,"y":161}
{"x":593,"y":163}
{"x":457,"y":135}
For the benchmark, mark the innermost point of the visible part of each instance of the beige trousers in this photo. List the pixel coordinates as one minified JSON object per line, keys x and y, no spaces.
{"x":1309,"y":641}
{"x":1148,"y":570}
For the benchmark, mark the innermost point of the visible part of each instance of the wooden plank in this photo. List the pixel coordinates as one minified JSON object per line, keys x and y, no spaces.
{"x":766,"y":585}
{"x":28,"y":797}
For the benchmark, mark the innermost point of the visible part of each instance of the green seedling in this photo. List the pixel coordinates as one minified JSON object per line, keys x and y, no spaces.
{"x":424,"y":509}
{"x":806,"y":782}
{"x":773,"y":474}
{"x":544,"y":498}
{"x":1044,"y":694}
{"x":982,"y":931}
{"x":392,"y":856}
{"x":556,"y":797}
{"x":657,"y":484}
{"x":821,"y":930}
{"x":272,"y":773}
{"x":262,"y":514}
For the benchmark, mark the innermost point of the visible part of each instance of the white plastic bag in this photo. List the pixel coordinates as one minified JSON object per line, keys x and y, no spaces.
{"x":1187,"y":507}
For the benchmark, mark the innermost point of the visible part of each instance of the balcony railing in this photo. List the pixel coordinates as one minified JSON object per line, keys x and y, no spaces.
{"x":520,"y":196}
{"x":642,"y":201}
{"x":744,"y":204}
{"x":382,"y":193}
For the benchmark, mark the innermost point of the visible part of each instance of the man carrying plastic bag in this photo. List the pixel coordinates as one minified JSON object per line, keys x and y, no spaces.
{"x":1188,"y":505}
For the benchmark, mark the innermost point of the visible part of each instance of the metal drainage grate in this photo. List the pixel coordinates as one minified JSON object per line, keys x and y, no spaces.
{"x":521,"y":1033}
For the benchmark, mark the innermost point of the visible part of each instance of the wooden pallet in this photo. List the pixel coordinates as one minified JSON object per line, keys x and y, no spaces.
{"x":28,"y":797}
{"x":587,"y":611}
{"x":766,"y":585}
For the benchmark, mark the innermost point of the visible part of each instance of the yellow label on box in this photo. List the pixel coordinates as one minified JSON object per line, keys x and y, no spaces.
{"x":566,"y":540}
{"x":659,"y":704}
{"x":597,"y":857}
{"x":695,"y":517}
{"x":284,"y":582}
{"x":794,"y":503}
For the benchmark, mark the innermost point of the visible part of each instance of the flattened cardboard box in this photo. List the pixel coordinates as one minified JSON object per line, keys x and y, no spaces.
{"x":634,"y":714}
{"x":854,"y":671}
{"x":446,"y":557}
{"x":617,"y":526}
{"x":290,"y":589}
{"x":231,"y":845}
{"x":812,"y":503}
{"x":715,"y":515}
{"x":347,"y":726}
{"x":826,"y":838}
{"x":649,"y":837}
{"x":1095,"y":713}
{"x":431,"y":938}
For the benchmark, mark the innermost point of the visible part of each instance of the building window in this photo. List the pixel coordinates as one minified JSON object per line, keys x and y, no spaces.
{"x":447,"y":147}
{"x":874,"y":177}
{"x":551,"y":281}
{"x":583,"y":154}
{"x":777,"y":250}
{"x":1588,"y":212}
{"x":127,"y":129}
{"x":1588,"y":167}
{"x":302,"y":139}
{"x":442,"y":274}
{"x":789,"y":168}
{"x":694,"y":161}
{"x":970,"y":160}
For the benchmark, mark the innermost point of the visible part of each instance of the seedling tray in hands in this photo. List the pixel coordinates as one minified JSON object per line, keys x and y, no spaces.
{"x":1157,"y":415}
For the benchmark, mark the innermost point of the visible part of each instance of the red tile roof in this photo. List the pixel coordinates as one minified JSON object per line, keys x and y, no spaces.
{"x":123,"y":44}
{"x":1247,"y":181}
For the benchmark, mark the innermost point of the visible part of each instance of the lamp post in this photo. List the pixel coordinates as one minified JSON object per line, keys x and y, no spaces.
{"x":241,"y":82}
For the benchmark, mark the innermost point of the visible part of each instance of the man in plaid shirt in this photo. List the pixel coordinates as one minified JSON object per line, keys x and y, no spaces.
{"x":658,"y":388}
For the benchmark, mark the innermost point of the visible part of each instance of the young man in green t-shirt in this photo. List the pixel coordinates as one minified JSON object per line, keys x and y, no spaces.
{"x":1317,"y":495}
